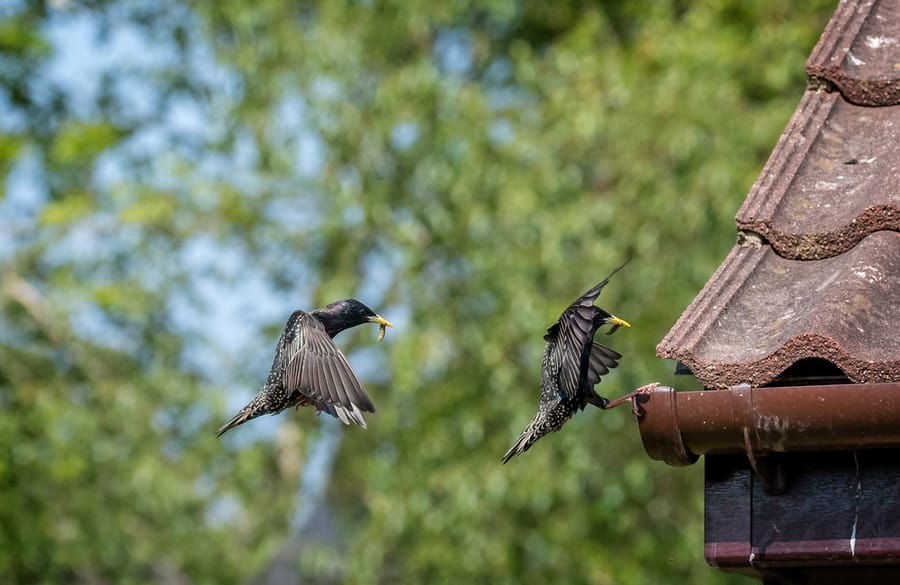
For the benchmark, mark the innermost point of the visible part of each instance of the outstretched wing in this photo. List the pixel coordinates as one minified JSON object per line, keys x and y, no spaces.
{"x":574,"y":336}
{"x":588,"y":298}
{"x":315,"y":367}
{"x":602,"y":360}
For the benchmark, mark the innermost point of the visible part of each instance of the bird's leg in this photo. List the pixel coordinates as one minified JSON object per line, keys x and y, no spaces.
{"x":633,"y":398}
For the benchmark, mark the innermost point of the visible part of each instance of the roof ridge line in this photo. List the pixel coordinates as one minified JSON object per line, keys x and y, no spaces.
{"x":715,"y":289}
{"x":847,"y":21}
{"x":768,"y":191}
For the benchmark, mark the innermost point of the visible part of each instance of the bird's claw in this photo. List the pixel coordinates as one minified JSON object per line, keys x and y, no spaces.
{"x":635,"y":397}
{"x":640,"y":395}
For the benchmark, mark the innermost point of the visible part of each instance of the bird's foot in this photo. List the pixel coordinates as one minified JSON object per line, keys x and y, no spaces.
{"x":640,"y":395}
{"x":635,"y":397}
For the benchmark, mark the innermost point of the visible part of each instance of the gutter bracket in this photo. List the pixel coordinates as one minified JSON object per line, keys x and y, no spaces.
{"x":766,"y":466}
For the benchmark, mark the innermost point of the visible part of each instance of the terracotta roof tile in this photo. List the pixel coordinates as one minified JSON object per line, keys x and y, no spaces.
{"x":859,"y":52}
{"x":816,"y":272}
{"x":760,"y":313}
{"x":831,"y":180}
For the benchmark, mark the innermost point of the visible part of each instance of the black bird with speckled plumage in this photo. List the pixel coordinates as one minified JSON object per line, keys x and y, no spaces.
{"x":309,"y":369}
{"x":571,"y":367}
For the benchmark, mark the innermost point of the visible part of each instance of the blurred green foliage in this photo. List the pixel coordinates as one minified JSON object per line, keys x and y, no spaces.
{"x":485,"y":162}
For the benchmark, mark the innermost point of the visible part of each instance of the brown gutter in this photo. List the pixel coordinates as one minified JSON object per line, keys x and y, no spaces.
{"x":678,"y":427}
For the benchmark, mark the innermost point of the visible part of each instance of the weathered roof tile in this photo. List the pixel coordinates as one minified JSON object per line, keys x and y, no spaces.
{"x":859,"y":52}
{"x":833,"y":178}
{"x":760,"y":313}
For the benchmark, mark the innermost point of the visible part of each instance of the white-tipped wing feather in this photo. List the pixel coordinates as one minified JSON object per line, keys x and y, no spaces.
{"x":314,"y":366}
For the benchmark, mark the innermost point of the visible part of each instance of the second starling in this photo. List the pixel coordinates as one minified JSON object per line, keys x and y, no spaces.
{"x":573,"y":363}
{"x":309,"y":369}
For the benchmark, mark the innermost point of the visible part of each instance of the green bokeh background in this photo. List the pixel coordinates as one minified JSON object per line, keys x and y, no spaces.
{"x":466,"y":169}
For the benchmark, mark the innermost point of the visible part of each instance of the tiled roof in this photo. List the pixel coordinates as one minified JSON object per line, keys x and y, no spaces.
{"x":816,"y":270}
{"x":833,"y":178}
{"x":760,"y":313}
{"x":859,"y":52}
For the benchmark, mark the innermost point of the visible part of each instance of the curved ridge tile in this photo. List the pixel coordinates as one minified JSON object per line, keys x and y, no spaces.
{"x":843,"y":309}
{"x":823,"y":188}
{"x":858,"y":52}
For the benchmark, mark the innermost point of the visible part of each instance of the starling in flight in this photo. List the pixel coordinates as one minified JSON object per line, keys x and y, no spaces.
{"x":572,"y":365}
{"x":309,"y":369}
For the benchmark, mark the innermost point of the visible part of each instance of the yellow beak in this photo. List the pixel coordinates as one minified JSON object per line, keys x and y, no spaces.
{"x":616,"y":323}
{"x":619,"y":322}
{"x":379,"y":320}
{"x":382,"y":324}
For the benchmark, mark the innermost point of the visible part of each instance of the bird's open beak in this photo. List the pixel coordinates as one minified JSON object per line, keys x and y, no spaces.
{"x":616,"y":323}
{"x":382,"y":323}
{"x":379,"y":320}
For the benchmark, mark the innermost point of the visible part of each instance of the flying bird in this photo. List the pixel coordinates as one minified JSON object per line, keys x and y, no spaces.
{"x":573,"y":363}
{"x":309,"y":369}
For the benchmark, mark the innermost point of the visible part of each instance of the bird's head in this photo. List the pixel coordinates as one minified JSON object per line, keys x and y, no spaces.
{"x":608,"y":319}
{"x":348,"y":313}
